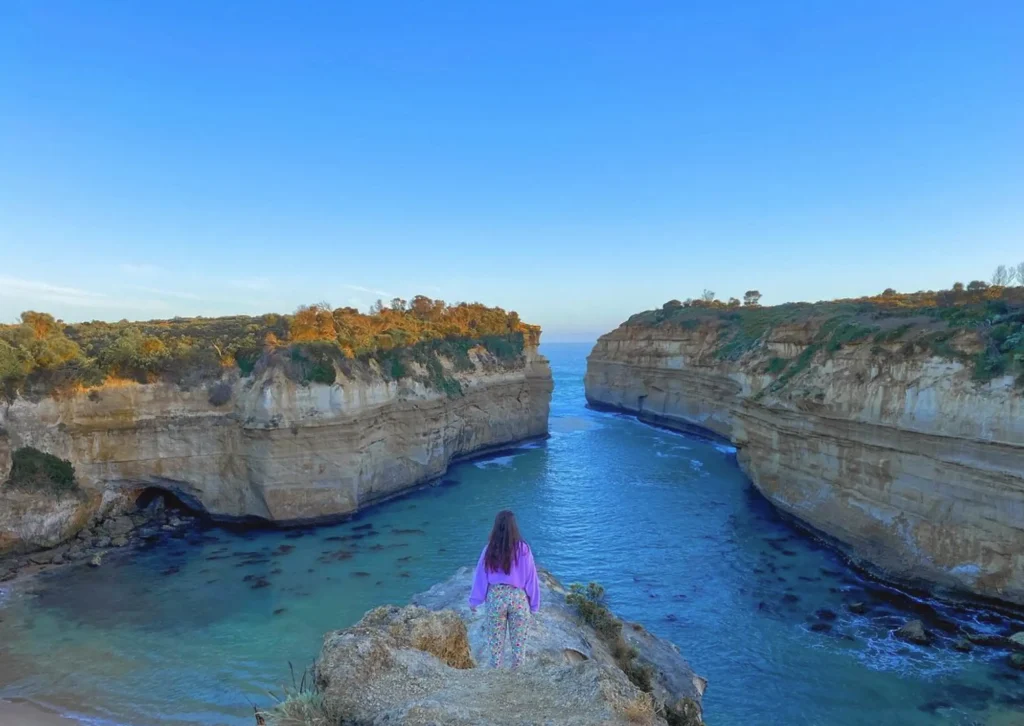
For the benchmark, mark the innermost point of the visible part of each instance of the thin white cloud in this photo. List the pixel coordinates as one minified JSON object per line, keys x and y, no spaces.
{"x":139,"y":268}
{"x":168,"y":293}
{"x":35,"y":290}
{"x":368,"y":290}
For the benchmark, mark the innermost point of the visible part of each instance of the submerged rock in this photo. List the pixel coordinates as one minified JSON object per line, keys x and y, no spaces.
{"x":914,"y":632}
{"x":423,"y":664}
{"x":987,"y":639}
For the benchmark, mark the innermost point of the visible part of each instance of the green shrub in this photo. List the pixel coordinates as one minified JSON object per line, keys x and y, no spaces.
{"x":314,"y":362}
{"x":888,"y":336}
{"x":219,"y":393}
{"x":991,"y":315}
{"x":34,"y":470}
{"x":776,"y":365}
{"x":590,"y":605}
{"x":42,"y":355}
{"x":592,"y":610}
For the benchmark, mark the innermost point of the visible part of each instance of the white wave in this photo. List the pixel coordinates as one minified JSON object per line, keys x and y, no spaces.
{"x":496,"y":462}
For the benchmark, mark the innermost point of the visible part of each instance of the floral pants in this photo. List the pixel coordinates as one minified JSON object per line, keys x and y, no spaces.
{"x":507,"y":607}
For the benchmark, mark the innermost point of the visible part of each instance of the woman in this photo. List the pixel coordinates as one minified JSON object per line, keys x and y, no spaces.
{"x":506,"y":579}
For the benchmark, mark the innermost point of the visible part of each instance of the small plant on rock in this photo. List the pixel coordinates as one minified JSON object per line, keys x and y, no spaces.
{"x":590,"y":605}
{"x":301,"y":704}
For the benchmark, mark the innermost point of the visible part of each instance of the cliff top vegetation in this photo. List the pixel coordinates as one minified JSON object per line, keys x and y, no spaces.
{"x":43,"y":355}
{"x":979,"y":324}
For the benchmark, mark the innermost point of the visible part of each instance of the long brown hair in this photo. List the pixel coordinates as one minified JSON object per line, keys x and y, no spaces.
{"x":503,"y":547}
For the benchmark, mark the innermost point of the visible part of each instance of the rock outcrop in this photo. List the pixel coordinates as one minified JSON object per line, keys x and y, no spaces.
{"x":421,"y":665}
{"x":902,"y":457}
{"x":267,"y":447}
{"x":29,"y":521}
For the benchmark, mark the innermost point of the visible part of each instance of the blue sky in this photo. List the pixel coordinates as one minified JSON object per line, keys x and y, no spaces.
{"x":574,"y":161}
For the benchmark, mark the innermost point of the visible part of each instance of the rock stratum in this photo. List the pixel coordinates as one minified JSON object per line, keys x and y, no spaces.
{"x":883,"y":437}
{"x":420,"y":665}
{"x":266,"y":447}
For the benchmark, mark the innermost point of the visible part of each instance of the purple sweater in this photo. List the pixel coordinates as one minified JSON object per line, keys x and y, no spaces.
{"x":522,"y":575}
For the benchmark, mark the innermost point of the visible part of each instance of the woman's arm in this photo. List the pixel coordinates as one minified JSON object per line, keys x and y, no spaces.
{"x":479,"y":592}
{"x":532,"y":586}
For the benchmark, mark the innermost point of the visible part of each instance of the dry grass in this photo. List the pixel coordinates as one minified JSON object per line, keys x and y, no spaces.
{"x":301,"y":709}
{"x":442,"y":634}
{"x":445,"y":638}
{"x":302,"y":704}
{"x":640,"y":710}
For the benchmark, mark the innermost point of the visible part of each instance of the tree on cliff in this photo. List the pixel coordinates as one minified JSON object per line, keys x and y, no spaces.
{"x":752,"y":298}
{"x":707,"y":295}
{"x":734,"y":302}
{"x":1003,"y":276}
{"x":45,"y":355}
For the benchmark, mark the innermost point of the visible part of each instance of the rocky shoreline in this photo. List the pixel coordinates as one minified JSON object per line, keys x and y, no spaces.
{"x":117,"y":531}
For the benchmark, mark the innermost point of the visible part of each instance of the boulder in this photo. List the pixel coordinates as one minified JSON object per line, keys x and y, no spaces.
{"x":97,"y":560}
{"x":1017,"y":661}
{"x":857,"y":608}
{"x":118,"y":526}
{"x":1017,"y":639}
{"x":963,"y":645}
{"x":119,"y":541}
{"x":32,"y":521}
{"x":422,"y":664}
{"x":914,"y":632}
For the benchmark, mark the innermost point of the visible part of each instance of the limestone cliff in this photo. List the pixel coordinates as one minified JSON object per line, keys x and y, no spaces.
{"x":907,"y":459}
{"x":268,"y":447}
{"x":420,"y":665}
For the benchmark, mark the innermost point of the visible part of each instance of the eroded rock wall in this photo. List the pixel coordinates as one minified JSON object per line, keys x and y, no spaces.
{"x":907,"y":461}
{"x":280,"y":450}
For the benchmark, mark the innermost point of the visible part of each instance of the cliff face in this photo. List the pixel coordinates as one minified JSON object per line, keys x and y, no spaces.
{"x":420,"y":665}
{"x":279,"y":450}
{"x":904,"y":458}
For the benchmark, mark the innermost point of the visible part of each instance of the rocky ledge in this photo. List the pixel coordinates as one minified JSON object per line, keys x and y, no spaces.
{"x":423,"y":664}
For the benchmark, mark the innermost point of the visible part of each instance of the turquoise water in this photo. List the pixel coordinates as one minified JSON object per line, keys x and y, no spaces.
{"x":177,"y":634}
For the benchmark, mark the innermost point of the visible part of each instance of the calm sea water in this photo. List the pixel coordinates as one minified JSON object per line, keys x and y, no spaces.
{"x":177,"y":633}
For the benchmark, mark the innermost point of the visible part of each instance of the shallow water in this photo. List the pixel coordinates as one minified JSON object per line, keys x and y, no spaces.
{"x":178,"y":634}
